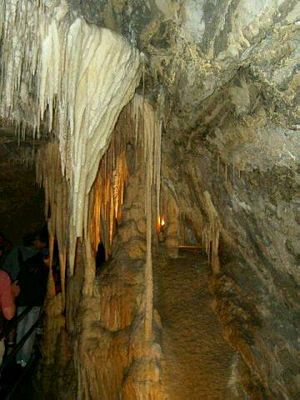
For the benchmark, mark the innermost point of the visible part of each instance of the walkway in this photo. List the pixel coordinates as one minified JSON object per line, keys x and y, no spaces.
{"x":197,"y":361}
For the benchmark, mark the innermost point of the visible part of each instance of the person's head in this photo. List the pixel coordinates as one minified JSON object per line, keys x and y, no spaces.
{"x":41,"y":239}
{"x":39,"y":243}
{"x":28,"y":239}
{"x":37,"y":240}
{"x":46,"y":260}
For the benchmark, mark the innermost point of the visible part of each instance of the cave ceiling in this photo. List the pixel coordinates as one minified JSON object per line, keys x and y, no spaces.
{"x":193,"y":48}
{"x":209,"y":61}
{"x":221,"y":73}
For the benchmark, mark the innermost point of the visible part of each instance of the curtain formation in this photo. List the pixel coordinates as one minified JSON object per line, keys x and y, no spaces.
{"x":60,"y":74}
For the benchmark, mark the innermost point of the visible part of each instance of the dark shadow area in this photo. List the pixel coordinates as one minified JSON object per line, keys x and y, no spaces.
{"x":21,"y":200}
{"x":100,"y":258}
{"x":17,"y":382}
{"x":21,"y":220}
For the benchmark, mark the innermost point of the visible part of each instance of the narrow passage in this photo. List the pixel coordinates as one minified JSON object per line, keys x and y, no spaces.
{"x":197,"y":362}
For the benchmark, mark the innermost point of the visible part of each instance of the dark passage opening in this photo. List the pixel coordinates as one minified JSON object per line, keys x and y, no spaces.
{"x":100,"y":258}
{"x":21,"y":218}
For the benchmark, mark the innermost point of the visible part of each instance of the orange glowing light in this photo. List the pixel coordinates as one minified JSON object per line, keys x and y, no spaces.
{"x":161,"y":222}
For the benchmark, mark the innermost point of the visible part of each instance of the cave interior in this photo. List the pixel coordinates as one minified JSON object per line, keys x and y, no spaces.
{"x":159,"y":142}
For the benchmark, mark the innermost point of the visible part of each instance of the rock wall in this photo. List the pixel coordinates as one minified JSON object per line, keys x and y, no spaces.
{"x":255,"y":287}
{"x":224,"y":75}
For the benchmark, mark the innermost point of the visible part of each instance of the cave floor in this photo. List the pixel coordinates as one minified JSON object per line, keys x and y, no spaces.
{"x":197,"y":362}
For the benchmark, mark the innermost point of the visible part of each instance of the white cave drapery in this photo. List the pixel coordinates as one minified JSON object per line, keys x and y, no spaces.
{"x":73,"y":78}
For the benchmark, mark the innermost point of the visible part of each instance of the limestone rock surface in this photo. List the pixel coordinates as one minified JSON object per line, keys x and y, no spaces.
{"x":225,"y":77}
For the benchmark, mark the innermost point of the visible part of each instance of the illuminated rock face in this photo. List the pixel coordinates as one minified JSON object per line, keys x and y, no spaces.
{"x":194,"y":46}
{"x":224,"y":78}
{"x":73,"y":76}
{"x":231,"y":104}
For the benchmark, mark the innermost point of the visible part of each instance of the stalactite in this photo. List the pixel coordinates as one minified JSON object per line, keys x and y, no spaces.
{"x":152,"y":127}
{"x":48,"y":172}
{"x":108,"y":190}
{"x":78,"y":88}
{"x":117,"y":308}
{"x":148,"y":267}
{"x":226,"y":172}
{"x":105,"y":204}
{"x":211,"y":234}
{"x":74,"y":79}
{"x":62,"y":269}
{"x":108,"y":194}
{"x":51,"y":285}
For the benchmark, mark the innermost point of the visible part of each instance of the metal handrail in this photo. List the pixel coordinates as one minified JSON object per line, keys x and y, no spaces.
{"x":10,"y":325}
{"x":8,"y":358}
{"x":19,"y":345}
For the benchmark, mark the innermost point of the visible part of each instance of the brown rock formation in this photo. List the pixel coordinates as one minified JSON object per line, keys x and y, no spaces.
{"x":221,"y":78}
